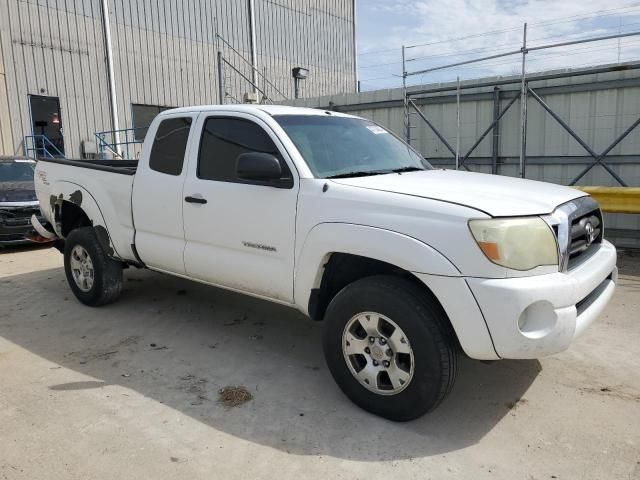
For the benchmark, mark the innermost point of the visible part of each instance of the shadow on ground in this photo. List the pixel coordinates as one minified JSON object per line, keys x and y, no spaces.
{"x":25,"y":247}
{"x":179,"y":342}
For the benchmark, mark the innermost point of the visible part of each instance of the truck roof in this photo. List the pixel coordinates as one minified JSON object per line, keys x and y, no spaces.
{"x":269,"y":109}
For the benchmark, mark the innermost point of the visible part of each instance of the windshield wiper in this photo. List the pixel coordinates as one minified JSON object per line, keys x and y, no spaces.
{"x":359,"y":174}
{"x":375,"y":172}
{"x":407,"y":169}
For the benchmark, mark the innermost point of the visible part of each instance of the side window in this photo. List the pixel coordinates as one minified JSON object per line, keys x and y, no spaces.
{"x":224,"y":139}
{"x":169,"y":145}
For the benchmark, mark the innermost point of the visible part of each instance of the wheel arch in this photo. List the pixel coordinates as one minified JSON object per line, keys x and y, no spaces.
{"x":335,"y":254}
{"x":72,"y":206}
{"x":343,"y":269}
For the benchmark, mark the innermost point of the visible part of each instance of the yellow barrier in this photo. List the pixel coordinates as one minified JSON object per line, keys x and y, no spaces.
{"x":615,"y":199}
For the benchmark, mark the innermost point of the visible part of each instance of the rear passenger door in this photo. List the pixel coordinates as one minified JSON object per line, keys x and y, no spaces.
{"x":239,"y":234}
{"x":157,"y":194}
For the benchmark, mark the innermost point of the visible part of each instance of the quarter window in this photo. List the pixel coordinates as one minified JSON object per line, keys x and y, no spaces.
{"x":169,"y":145}
{"x":224,"y":139}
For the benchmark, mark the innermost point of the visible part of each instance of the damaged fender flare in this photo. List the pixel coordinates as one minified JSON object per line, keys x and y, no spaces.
{"x":38,"y":227}
{"x":71,"y":192}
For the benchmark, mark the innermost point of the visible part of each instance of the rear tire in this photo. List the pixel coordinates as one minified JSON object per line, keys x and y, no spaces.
{"x":94,"y":278}
{"x":390,"y":347}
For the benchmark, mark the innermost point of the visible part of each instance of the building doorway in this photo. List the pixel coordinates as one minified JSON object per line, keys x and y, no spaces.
{"x":47,"y":126}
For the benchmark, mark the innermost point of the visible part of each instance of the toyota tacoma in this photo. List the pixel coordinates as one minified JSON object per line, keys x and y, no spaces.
{"x":407,"y":266}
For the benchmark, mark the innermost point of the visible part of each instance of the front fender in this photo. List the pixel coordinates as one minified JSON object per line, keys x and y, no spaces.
{"x":387,"y":246}
{"x":430,"y":266}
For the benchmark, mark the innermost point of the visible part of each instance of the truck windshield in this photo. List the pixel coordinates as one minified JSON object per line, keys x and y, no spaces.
{"x":16,"y":172}
{"x":335,"y":147}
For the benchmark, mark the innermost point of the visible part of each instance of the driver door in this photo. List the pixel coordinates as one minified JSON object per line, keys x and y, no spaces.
{"x":239,"y":235}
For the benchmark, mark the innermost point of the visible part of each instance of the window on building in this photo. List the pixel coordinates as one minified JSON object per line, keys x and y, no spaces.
{"x":169,"y":145}
{"x":143,"y":115}
{"x":224,"y":139}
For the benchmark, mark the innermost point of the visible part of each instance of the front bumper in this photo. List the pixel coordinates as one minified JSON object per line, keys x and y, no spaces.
{"x":531,"y":317}
{"x":17,"y":229}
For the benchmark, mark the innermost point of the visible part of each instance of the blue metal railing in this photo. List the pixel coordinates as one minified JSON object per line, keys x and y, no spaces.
{"x":118,"y":142}
{"x":39,"y":146}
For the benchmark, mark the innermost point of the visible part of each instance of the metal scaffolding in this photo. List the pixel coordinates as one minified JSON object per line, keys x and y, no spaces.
{"x":411,"y":107}
{"x":238,"y":75}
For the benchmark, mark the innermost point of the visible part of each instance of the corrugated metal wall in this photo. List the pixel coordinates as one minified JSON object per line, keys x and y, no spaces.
{"x":54,"y":48}
{"x":164,"y":54}
{"x":599,"y":107}
{"x":315,"y":34}
{"x":6,"y":140}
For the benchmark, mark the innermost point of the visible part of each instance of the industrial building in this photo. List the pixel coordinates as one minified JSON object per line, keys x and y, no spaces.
{"x":71,"y":69}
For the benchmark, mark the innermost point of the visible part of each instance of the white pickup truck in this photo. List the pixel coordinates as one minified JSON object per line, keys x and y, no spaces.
{"x":335,"y":216}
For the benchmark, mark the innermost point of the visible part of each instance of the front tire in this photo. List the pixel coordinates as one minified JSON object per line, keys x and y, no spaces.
{"x":389,"y":347}
{"x":94,"y":278}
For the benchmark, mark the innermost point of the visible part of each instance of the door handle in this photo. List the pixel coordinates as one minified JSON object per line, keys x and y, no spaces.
{"x":190,"y":199}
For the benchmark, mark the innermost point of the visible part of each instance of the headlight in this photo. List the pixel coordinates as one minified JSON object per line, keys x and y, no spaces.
{"x":517,"y":243}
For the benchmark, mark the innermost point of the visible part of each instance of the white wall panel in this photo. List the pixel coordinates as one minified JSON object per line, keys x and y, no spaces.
{"x":164,"y":52}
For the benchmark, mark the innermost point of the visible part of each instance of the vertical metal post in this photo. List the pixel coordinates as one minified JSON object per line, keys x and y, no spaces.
{"x":458,"y":124}
{"x":252,"y":36}
{"x":495,"y":147}
{"x":221,"y":87}
{"x":355,"y":45}
{"x":523,"y":104}
{"x":264,"y":83}
{"x":296,"y":87}
{"x":619,"y":46}
{"x":110,"y":70}
{"x":407,"y":130}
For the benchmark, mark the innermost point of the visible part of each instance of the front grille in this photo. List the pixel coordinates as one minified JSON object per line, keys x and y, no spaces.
{"x":578,"y":228}
{"x":15,"y":223}
{"x":585,"y":233}
{"x":17,"y":212}
{"x":12,"y":237}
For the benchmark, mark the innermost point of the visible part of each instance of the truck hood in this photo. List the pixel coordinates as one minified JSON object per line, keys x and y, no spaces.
{"x":11,"y":192}
{"x":496,"y":195}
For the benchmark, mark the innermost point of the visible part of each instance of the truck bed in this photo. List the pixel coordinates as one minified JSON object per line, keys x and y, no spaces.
{"x":102,"y":188}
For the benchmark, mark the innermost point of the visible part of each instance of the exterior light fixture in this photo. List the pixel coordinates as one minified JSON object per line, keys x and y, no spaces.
{"x":55,"y":119}
{"x":299,"y":73}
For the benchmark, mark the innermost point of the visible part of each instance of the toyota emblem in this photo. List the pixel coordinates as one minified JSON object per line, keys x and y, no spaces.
{"x":588,"y":227}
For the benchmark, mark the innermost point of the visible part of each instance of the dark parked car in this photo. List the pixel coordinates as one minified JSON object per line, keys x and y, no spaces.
{"x":18,"y":202}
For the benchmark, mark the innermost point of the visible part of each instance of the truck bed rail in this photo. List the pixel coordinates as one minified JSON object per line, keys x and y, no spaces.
{"x":123,"y":167}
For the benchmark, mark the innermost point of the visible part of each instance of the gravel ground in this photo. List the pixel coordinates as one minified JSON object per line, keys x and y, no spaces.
{"x":131,"y":390}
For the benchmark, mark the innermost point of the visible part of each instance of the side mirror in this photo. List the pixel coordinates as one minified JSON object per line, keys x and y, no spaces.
{"x":262,"y":168}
